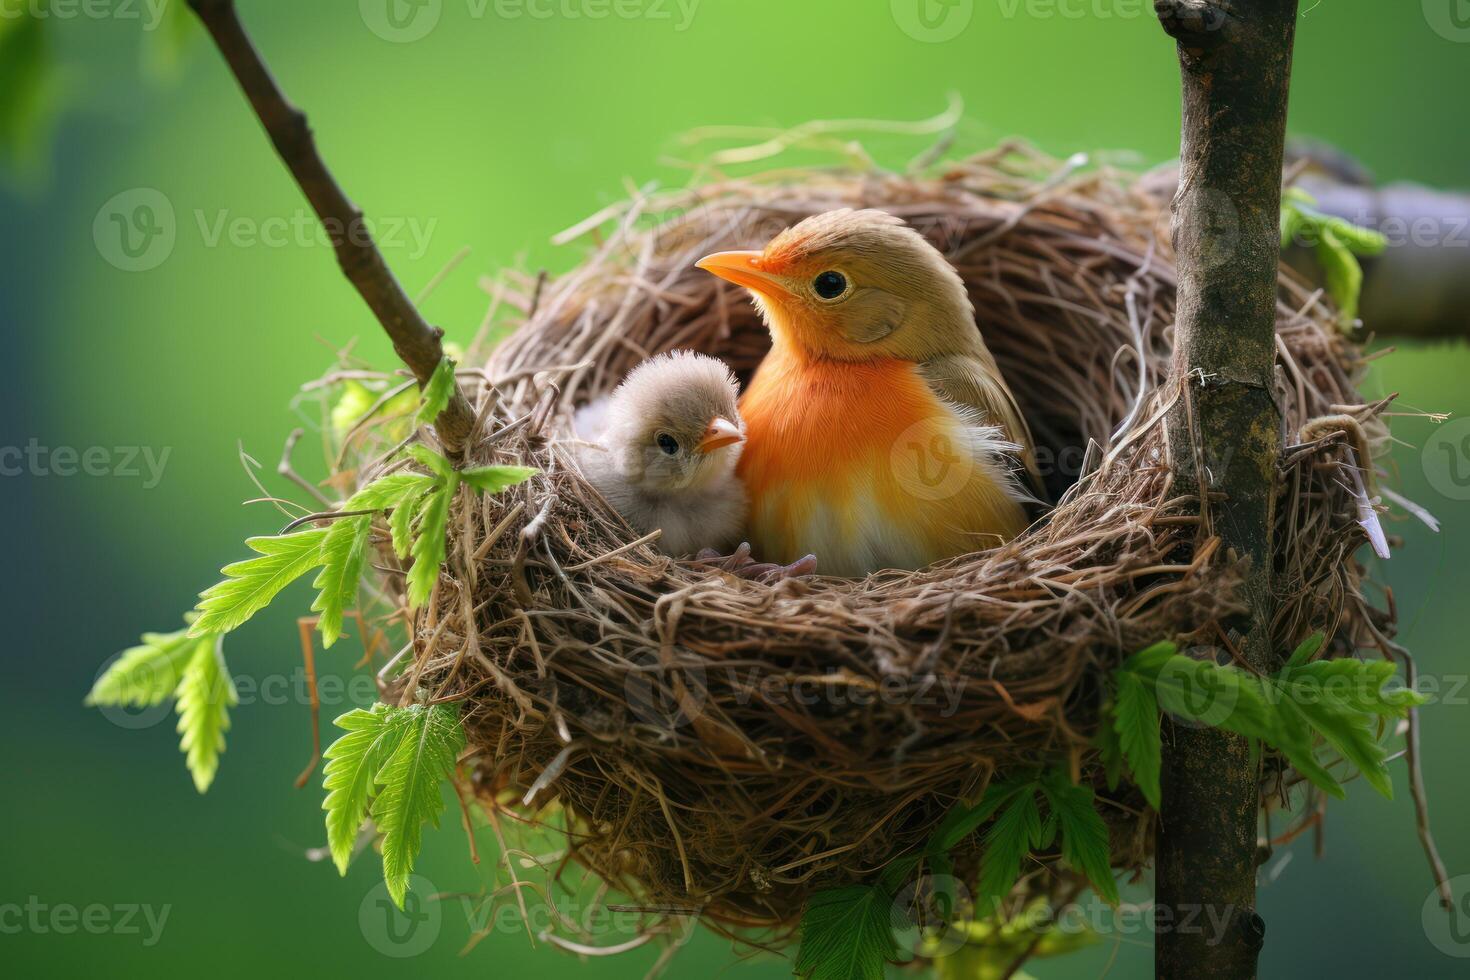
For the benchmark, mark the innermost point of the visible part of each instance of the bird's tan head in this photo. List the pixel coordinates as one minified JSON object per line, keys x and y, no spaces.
{"x":853,"y":285}
{"x":673,"y":423}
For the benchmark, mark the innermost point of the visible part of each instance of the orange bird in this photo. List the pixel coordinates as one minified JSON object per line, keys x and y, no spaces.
{"x":879,"y":432}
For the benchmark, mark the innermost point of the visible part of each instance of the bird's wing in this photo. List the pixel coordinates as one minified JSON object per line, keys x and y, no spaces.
{"x":974,"y":380}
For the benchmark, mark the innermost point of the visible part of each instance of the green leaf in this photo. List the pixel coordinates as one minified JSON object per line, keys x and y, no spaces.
{"x":144,"y":675}
{"x":1151,"y":659}
{"x":1016,"y":830}
{"x":846,"y":934}
{"x":206,"y":693}
{"x":350,"y":777}
{"x":409,"y":795}
{"x":1136,"y":720}
{"x":430,"y":460}
{"x":428,"y":544}
{"x":344,"y":550}
{"x":1085,"y":844}
{"x":1222,"y":697}
{"x":1341,"y":700}
{"x":961,"y":820}
{"x":389,"y":491}
{"x":1342,"y":273}
{"x":250,"y":585}
{"x":494,"y":479}
{"x":1305,"y":651}
{"x":1359,"y":240}
{"x":400,"y":524}
{"x":437,"y":392}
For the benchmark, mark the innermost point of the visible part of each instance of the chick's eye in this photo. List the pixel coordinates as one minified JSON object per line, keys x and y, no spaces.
{"x":668,"y":443}
{"x":830,"y":285}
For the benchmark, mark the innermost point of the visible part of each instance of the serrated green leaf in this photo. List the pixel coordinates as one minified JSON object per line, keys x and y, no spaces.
{"x":1222,"y":697}
{"x":344,"y":550}
{"x":1085,"y":844}
{"x":428,"y":544}
{"x":409,"y":794}
{"x":388,"y":491}
{"x":350,"y":777}
{"x":437,"y":392}
{"x":205,"y":695}
{"x":400,"y":523}
{"x":430,"y":460}
{"x":494,"y":479}
{"x":1016,"y":830}
{"x":846,"y":934}
{"x":961,"y":821}
{"x":1341,"y":700}
{"x":1136,"y":719}
{"x":144,"y":675}
{"x":250,"y":585}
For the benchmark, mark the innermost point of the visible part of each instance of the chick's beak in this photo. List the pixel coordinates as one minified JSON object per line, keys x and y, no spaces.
{"x":721,"y":432}
{"x":744,"y":268}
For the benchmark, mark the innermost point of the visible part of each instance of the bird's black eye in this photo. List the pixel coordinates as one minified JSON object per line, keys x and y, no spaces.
{"x":830,"y":285}
{"x":668,"y":443}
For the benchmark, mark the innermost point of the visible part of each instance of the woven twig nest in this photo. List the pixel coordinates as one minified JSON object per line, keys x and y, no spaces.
{"x":727,"y":747}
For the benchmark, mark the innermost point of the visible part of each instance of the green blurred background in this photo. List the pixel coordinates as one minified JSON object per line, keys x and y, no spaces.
{"x":499,"y":126}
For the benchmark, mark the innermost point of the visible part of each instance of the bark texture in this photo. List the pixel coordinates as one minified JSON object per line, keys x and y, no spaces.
{"x":417,"y":344}
{"x":1224,"y":439}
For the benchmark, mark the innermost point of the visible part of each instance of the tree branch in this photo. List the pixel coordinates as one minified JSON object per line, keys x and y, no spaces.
{"x":1225,"y":437}
{"x":416,"y":343}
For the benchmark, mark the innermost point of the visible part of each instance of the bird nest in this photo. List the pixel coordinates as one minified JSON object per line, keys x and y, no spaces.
{"x":726,"y":746}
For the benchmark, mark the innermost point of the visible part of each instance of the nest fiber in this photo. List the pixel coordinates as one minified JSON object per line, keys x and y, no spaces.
{"x":726,"y":747}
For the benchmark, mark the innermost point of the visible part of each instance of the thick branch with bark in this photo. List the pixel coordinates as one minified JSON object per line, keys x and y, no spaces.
{"x":1224,"y":439}
{"x":417,"y":344}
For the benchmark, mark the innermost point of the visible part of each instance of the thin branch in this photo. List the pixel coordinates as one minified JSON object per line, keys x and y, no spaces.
{"x":415,"y":341}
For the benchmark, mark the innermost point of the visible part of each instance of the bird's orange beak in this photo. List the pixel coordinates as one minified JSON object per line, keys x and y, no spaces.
{"x":721,"y":432}
{"x":744,"y":268}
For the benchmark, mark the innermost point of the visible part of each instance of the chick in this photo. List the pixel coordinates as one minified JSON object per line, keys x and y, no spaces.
{"x":663,"y":452}
{"x":882,"y":434}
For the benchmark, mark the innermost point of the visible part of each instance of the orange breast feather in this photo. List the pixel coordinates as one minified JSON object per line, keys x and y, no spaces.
{"x":864,"y":466}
